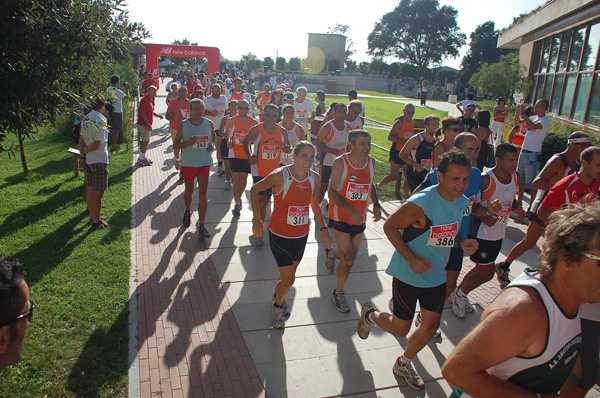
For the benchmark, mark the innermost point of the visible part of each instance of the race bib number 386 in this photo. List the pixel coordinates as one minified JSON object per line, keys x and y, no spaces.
{"x":443,"y":235}
{"x":297,"y":215}
{"x":357,"y":191}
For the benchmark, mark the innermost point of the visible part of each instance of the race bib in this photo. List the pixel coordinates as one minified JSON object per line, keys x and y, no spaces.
{"x":469,"y":208}
{"x":443,"y":235}
{"x":427,"y":163}
{"x":301,"y":116}
{"x":297,"y":215}
{"x":350,"y":128}
{"x":271,"y":151}
{"x":357,"y":191}
{"x":239,"y":138}
{"x":201,"y":141}
{"x":504,"y":214}
{"x":185,"y":113}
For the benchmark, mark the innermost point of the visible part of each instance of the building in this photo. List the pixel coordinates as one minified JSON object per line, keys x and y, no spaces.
{"x":559,"y":46}
{"x":326,"y":52}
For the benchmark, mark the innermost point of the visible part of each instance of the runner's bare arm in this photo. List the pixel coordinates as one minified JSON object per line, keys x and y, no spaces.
{"x":551,"y":173}
{"x":404,"y":154}
{"x":325,"y":234}
{"x":393,"y":135}
{"x":249,"y":139}
{"x":321,"y":137}
{"x":273,"y":181}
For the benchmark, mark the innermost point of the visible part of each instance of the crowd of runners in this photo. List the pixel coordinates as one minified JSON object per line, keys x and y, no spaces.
{"x":462,"y":184}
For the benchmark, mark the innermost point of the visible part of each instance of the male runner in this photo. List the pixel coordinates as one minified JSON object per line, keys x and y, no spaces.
{"x":355,"y":122}
{"x":236,"y":93}
{"x":305,"y":108}
{"x":195,"y":138}
{"x":216,"y":105}
{"x":177,"y":111}
{"x":417,"y":153}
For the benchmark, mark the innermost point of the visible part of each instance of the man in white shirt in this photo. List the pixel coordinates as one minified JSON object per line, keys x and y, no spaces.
{"x":216,"y":105}
{"x":462,"y":105}
{"x":116,"y":97}
{"x":529,"y":160}
{"x":305,"y":109}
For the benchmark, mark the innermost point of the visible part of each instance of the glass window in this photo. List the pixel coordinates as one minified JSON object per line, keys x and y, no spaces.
{"x":538,"y":88}
{"x":576,"y":52}
{"x":564,"y":51}
{"x":591,"y":48}
{"x":537,"y":54}
{"x":558,"y":84}
{"x":548,"y":88}
{"x":545,"y":52}
{"x":581,"y":97}
{"x":554,"y":53}
{"x":594,"y":115}
{"x":567,"y":99}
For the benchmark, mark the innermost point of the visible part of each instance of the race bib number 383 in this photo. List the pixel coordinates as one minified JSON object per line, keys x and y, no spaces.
{"x":357,"y":191}
{"x":443,"y":235}
{"x":297,"y":215}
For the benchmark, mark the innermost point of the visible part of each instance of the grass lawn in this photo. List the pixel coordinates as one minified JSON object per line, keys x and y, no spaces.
{"x":386,"y":111}
{"x":77,"y":343}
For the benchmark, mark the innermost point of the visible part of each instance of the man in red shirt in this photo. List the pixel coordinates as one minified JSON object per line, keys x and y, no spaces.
{"x":578,"y":187}
{"x":147,"y":83}
{"x":177,"y":112}
{"x":144,"y":122}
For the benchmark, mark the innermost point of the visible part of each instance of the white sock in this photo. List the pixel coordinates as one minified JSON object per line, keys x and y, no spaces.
{"x":370,"y":317}
{"x":460,"y":293}
{"x":404,"y":360}
{"x":142,"y":156}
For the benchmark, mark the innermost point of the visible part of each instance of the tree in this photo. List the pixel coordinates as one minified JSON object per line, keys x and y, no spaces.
{"x":268,"y":62}
{"x":53,"y":57}
{"x":419,"y":32}
{"x":252,"y":61}
{"x":294,"y":64}
{"x":504,"y":77}
{"x":483,"y":48}
{"x":280,"y":64}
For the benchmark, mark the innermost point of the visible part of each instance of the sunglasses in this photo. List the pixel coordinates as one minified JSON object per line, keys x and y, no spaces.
{"x":243,"y":108}
{"x":28,"y":315}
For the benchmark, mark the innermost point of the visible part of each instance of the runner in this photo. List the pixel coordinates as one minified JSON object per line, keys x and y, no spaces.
{"x":269,"y":142}
{"x":232,"y":110}
{"x":500,"y":113}
{"x":195,"y":138}
{"x":216,"y":105}
{"x":294,"y":189}
{"x":500,"y":184}
{"x":145,"y":118}
{"x":402,"y":129}
{"x":349,"y":191}
{"x":294,"y":131}
{"x":263,"y":99}
{"x":237,"y":129}
{"x":417,"y":153}
{"x":559,"y":166}
{"x":332,"y":141}
{"x":355,"y":122}
{"x":422,"y":230}
{"x":236,"y":92}
{"x":450,"y":129}
{"x":177,"y":111}
{"x":305,"y":108}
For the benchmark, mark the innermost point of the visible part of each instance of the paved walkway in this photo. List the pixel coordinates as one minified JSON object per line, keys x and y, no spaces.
{"x":203,"y":311}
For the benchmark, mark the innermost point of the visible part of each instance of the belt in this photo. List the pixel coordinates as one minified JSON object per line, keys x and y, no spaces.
{"x":525,"y":150}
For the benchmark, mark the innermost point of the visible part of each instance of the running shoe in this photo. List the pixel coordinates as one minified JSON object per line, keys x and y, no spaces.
{"x":277,"y":317}
{"x":145,"y":162}
{"x":339,"y":300}
{"x":259,"y":242}
{"x":329,"y":262}
{"x":286,"y":310}
{"x":177,"y":164}
{"x":437,"y":333}
{"x":227,"y":186}
{"x":502,"y":274}
{"x":203,"y":233}
{"x":460,"y":305}
{"x":237,"y":210}
{"x":187,"y":218}
{"x":409,"y":374}
{"x":363,"y":328}
{"x":220,"y":171}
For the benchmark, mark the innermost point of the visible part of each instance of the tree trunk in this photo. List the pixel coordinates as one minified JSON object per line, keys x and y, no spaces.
{"x":22,"y":150}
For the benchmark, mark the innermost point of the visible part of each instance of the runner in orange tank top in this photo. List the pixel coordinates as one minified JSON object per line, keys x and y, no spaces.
{"x":269,"y":140}
{"x":263,"y":99}
{"x":349,"y":190}
{"x":294,"y":190}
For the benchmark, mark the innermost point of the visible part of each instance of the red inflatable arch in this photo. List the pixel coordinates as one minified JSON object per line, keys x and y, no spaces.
{"x":153,"y":51}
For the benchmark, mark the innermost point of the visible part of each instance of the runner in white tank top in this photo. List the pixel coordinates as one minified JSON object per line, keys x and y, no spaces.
{"x":294,"y":131}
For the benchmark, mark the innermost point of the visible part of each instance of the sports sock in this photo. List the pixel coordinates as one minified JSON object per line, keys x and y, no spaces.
{"x":370,"y":316}
{"x":404,"y":361}
{"x":460,"y":293}
{"x":142,"y":156}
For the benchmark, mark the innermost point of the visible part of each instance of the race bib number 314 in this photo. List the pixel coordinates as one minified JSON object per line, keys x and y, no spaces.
{"x":443,"y":235}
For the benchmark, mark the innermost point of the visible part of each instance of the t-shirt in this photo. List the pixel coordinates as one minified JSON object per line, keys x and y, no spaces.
{"x":146,"y":107}
{"x":569,"y":190}
{"x":179,"y":108}
{"x":216,"y":104}
{"x":468,"y":125}
{"x":432,"y":243}
{"x":533,"y":138}
{"x":147,"y":83}
{"x":93,"y":128}
{"x":304,"y":110}
{"x":115,"y":97}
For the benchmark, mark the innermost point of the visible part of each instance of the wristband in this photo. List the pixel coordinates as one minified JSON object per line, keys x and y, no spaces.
{"x":322,"y":228}
{"x":378,"y":205}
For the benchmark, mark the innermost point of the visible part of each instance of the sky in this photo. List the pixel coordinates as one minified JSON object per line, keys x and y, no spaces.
{"x":279,"y":28}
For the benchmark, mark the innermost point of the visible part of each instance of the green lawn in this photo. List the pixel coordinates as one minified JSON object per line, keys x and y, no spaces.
{"x":77,"y":343}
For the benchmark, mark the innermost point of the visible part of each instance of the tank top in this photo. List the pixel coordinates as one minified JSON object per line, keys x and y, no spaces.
{"x":422,"y":155}
{"x":337,"y":139}
{"x":264,"y":100}
{"x":238,"y":134}
{"x":497,"y":117}
{"x":196,"y":155}
{"x":267,"y":148}
{"x":545,"y":373}
{"x":290,"y":217}
{"x":286,"y":158}
{"x":355,"y":124}
{"x":354,"y":187}
{"x":506,"y":194}
{"x":236,"y":95}
{"x":541,"y":194}
{"x":406,"y":131}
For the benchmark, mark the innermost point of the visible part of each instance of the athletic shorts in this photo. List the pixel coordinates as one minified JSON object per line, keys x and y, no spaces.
{"x":287,"y":250}
{"x":395,"y":156}
{"x":353,"y":230}
{"x":97,"y":176}
{"x":144,"y":133}
{"x":173,"y":134}
{"x":590,"y":345}
{"x":239,"y":165}
{"x":488,"y":251}
{"x":224,"y":149}
{"x":190,"y":173}
{"x":534,"y":217}
{"x":267,"y":192}
{"x":117,"y":121}
{"x":405,"y":298}
{"x":455,"y":260}
{"x":326,"y":174}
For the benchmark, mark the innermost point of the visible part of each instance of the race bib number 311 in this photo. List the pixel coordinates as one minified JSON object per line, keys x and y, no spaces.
{"x":357,"y":191}
{"x":297,"y":215}
{"x":443,"y":235}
